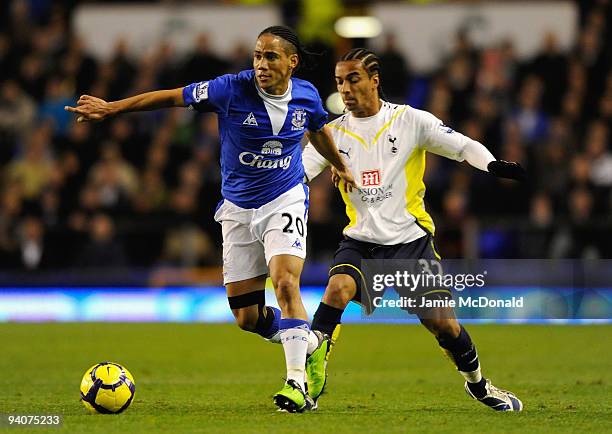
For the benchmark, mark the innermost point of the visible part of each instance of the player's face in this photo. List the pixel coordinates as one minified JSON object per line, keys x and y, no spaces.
{"x":357,"y":89}
{"x":273,"y":65}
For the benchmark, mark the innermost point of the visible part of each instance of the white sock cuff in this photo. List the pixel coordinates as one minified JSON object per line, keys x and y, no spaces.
{"x":473,"y":376}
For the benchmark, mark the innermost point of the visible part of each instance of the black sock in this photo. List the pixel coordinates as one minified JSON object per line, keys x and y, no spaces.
{"x":463,"y":352}
{"x":326,"y":318}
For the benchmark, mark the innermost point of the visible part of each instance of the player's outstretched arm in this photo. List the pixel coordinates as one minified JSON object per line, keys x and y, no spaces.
{"x":477,"y":155}
{"x":442,"y":140}
{"x":324,"y":143}
{"x":91,"y":108}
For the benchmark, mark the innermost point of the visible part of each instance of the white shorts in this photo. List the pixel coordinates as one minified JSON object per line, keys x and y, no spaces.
{"x":252,"y":236}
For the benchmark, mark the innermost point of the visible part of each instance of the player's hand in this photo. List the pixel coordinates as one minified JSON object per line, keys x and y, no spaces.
{"x":507,"y":169}
{"x":90,"y":109}
{"x":346,"y":175}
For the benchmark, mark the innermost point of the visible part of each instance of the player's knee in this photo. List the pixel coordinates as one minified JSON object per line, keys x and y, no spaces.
{"x":246,"y":319}
{"x":286,"y":287}
{"x":338,"y":294}
{"x":443,"y":327}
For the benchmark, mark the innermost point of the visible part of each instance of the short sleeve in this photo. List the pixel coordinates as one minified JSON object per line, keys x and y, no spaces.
{"x":210,"y":96}
{"x":318,"y":117}
{"x":314,"y":163}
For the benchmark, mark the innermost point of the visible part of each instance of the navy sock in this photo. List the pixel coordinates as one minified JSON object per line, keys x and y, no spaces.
{"x":478,"y":389}
{"x":326,"y":318}
{"x":463,"y":353}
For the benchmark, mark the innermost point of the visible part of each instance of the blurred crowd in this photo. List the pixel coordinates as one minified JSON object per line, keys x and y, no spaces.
{"x":141,"y":190}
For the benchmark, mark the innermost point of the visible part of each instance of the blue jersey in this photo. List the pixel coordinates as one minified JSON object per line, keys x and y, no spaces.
{"x":261,"y":153}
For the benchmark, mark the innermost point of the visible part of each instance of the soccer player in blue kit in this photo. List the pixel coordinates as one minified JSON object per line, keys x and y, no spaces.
{"x":263,"y":114}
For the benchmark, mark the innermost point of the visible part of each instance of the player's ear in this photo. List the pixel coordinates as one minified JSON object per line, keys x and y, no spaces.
{"x":375,"y":81}
{"x":294,"y":61}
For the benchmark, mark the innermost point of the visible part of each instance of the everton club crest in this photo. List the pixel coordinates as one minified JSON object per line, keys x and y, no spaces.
{"x":298,"y":120}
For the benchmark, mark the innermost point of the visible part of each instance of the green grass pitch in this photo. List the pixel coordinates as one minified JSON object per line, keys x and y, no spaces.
{"x":383,"y":379}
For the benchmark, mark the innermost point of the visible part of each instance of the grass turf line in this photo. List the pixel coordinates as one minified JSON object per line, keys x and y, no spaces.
{"x":383,"y":378}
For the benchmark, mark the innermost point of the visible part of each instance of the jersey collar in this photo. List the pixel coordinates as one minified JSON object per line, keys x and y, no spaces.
{"x":265,"y":95}
{"x":369,"y":118}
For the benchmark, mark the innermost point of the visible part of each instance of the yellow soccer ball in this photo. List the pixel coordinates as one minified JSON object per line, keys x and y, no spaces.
{"x":107,"y":388}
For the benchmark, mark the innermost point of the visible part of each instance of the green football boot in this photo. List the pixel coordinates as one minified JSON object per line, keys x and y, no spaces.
{"x":316,"y":367}
{"x":293,"y":399}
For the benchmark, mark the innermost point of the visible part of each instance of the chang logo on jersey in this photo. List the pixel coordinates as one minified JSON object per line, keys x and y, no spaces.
{"x":271,"y":147}
{"x":298,"y":120}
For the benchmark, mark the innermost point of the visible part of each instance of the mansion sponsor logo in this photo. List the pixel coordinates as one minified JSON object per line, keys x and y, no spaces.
{"x":370,"y":178}
{"x":375,"y":195}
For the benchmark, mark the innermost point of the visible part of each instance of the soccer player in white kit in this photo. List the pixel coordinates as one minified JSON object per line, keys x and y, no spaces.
{"x":384,"y":145}
{"x":263,"y":114}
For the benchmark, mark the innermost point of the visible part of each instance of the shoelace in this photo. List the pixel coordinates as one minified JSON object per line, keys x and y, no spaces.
{"x":498,"y":393}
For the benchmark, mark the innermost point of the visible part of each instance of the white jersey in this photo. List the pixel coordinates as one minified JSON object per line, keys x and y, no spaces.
{"x":386,"y":154}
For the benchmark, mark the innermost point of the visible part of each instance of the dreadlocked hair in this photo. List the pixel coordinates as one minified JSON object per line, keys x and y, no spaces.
{"x":370,"y":62}
{"x":307,"y":58}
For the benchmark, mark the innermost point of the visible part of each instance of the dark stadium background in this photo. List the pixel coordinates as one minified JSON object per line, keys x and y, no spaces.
{"x":130,"y":201}
{"x":109,"y":251}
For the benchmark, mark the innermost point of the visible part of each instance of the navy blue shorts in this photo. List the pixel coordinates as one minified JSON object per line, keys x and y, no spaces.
{"x":350,"y":253}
